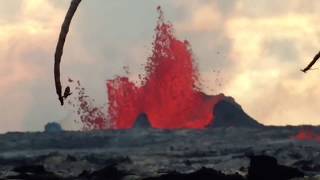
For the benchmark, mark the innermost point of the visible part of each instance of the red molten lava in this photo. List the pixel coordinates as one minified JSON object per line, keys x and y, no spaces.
{"x":169,"y":95}
{"x":307,"y":135}
{"x":90,"y":116}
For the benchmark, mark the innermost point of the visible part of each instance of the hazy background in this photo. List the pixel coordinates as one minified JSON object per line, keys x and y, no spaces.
{"x":258,"y":47}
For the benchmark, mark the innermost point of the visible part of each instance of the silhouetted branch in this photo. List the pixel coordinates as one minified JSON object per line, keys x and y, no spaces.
{"x":314,"y":60}
{"x":59,"y":49}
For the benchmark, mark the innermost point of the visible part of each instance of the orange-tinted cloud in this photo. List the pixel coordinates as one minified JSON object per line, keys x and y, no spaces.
{"x":258,"y":46}
{"x":22,"y":43}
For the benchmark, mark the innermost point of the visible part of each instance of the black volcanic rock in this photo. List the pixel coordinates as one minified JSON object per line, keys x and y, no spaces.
{"x":53,"y":127}
{"x":307,"y":165}
{"x":202,"y":174}
{"x":228,"y":113}
{"x":266,"y":167}
{"x":30,"y":169}
{"x":109,"y":172}
{"x":33,"y":172}
{"x":142,"y":121}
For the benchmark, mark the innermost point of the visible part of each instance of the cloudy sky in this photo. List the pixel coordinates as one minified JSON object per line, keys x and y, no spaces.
{"x":257,"y":46}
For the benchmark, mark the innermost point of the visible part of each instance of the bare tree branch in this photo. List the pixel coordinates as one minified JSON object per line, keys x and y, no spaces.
{"x":59,"y":49}
{"x":314,"y":60}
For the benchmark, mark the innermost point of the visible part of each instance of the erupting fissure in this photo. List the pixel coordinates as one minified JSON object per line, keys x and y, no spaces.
{"x":168,"y":94}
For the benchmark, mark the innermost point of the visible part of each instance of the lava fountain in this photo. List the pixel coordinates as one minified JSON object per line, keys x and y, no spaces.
{"x":168,"y":94}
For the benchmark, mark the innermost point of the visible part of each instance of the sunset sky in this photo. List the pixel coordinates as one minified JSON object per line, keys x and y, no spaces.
{"x":250,"y":50}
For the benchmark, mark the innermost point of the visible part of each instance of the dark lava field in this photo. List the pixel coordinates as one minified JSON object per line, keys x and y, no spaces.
{"x":146,"y":153}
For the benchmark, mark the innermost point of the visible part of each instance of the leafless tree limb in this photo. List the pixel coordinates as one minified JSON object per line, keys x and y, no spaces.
{"x":59,"y":49}
{"x":314,"y":60}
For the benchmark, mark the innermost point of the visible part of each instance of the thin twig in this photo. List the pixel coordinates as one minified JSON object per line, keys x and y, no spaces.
{"x":59,"y":49}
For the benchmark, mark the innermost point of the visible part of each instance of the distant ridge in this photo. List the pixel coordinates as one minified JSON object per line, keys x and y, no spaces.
{"x":228,"y":113}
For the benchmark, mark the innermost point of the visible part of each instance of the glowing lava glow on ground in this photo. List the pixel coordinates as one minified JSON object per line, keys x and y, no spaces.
{"x":307,"y":135}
